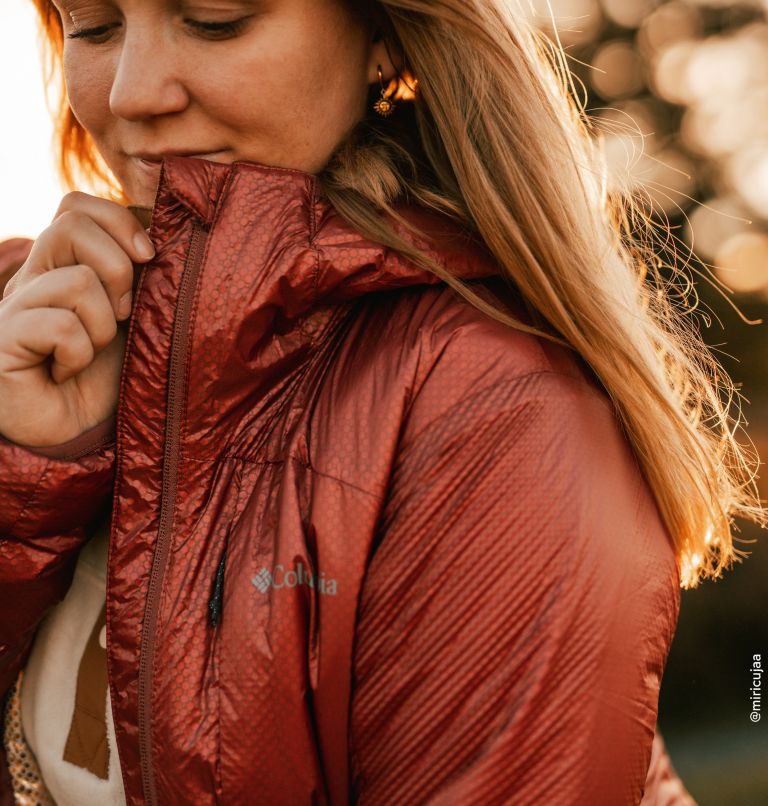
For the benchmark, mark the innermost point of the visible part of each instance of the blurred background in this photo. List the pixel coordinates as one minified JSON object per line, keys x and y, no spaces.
{"x":29,"y":187}
{"x":679,"y":91}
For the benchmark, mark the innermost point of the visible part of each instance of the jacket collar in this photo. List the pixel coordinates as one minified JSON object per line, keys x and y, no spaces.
{"x":328,"y":261}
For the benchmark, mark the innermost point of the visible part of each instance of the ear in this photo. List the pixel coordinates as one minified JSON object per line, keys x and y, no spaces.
{"x":378,"y":55}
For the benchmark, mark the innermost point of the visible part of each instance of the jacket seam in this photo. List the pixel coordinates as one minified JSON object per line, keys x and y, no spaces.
{"x":56,"y":452}
{"x":346,"y":483}
{"x":312,"y":235}
{"x":106,"y":441}
{"x":295,"y":459}
{"x":189,"y":331}
{"x":91,"y":449}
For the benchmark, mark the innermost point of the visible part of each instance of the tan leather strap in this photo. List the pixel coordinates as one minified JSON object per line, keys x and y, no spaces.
{"x":87,"y":745}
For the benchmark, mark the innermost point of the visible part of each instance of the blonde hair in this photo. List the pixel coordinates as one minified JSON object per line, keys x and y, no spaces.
{"x":497,"y":140}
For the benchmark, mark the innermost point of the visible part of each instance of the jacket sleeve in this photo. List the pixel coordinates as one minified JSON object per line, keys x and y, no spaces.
{"x":13,"y":252}
{"x":48,"y":497}
{"x":520,"y":604}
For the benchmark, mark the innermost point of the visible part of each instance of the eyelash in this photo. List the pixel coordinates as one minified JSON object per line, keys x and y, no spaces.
{"x":230,"y":28}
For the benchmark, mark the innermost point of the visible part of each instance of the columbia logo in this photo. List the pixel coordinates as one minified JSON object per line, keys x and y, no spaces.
{"x":264,"y":579}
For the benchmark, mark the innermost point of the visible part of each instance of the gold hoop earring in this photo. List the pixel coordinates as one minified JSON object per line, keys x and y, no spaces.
{"x":384,"y":105}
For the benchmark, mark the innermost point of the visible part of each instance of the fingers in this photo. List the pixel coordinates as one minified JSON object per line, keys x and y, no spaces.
{"x":120,"y":222}
{"x":95,"y":232}
{"x":59,"y":333}
{"x":69,"y":309}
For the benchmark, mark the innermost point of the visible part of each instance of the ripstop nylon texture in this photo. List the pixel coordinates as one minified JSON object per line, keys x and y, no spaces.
{"x":441,"y":576}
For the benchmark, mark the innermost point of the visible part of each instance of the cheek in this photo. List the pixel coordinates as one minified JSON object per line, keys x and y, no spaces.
{"x":88,"y":83}
{"x":305,"y":69}
{"x":277,"y":94}
{"x":317,"y":81}
{"x":336,"y":75}
{"x":240,"y":92}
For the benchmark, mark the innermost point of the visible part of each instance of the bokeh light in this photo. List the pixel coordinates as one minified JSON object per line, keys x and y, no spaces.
{"x":678,"y":91}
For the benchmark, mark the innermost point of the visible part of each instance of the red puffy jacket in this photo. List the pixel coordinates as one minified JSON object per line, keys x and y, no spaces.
{"x":367,"y":544}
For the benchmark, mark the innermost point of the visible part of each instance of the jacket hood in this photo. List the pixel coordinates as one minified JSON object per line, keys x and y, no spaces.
{"x":329,"y":261}
{"x":262,"y":265}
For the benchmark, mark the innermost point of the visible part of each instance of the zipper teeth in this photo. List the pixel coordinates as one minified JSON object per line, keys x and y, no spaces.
{"x":176,"y":390}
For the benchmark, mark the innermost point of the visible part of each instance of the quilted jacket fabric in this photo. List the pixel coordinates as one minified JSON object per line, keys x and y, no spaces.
{"x":367,"y":544}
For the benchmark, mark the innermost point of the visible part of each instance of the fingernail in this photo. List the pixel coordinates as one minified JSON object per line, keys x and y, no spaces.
{"x":144,"y":246}
{"x":124,"y":306}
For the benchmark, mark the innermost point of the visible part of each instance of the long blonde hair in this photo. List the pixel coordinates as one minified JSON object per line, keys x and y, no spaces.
{"x":497,"y":140}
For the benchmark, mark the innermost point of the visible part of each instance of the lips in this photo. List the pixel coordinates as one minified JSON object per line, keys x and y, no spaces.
{"x":157,"y":158}
{"x":146,"y":165}
{"x":150,"y":165}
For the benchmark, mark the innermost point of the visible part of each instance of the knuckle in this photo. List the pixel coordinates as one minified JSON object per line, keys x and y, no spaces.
{"x":69,"y":220}
{"x":67,"y":324}
{"x":120,"y":269}
{"x":70,"y":200}
{"x":125,"y":272}
{"x":78,"y":278}
{"x":81,"y":277}
{"x":106,"y":336}
{"x":119,"y":276}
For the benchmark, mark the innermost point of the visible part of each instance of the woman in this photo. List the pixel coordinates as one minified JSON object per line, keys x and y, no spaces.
{"x":382,"y":484}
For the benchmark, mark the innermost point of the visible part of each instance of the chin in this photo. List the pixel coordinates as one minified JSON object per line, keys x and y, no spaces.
{"x":141,"y":193}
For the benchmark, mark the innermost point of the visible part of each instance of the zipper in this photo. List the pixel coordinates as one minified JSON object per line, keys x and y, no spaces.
{"x":216,"y":601}
{"x":176,"y":398}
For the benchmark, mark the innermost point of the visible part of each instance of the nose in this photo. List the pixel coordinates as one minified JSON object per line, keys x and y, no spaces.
{"x":148,"y":80}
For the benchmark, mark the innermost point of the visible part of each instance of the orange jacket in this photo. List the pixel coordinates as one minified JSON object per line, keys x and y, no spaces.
{"x":367,"y":544}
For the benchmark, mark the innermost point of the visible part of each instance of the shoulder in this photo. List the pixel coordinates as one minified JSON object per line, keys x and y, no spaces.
{"x":441,"y":362}
{"x":551,"y":431}
{"x":463,"y":355}
{"x":517,"y":494}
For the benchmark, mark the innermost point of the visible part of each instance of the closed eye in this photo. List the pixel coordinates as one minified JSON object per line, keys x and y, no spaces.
{"x":230,"y":28}
{"x":217,"y":30}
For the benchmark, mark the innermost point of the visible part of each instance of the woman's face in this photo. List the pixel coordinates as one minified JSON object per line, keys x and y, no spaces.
{"x":283,"y":87}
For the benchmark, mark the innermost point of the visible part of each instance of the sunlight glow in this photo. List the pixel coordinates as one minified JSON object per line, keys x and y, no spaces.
{"x":30,"y":191}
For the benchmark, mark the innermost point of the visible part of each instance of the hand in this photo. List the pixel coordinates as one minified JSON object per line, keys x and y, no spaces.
{"x":62,"y":323}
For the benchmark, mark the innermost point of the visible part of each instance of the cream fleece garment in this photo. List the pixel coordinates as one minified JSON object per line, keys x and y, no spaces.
{"x":49,"y":687}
